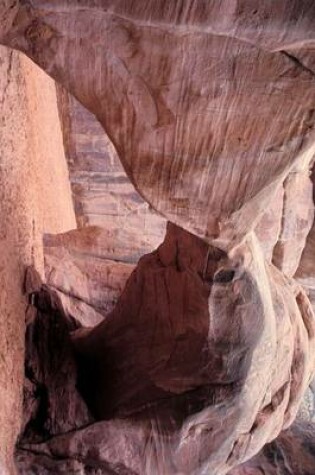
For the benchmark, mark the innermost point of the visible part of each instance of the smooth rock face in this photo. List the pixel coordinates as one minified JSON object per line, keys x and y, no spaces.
{"x":35,"y":197}
{"x":89,"y":269}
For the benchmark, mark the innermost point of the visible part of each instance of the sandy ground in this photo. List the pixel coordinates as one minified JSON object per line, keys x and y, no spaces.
{"x":35,"y":197}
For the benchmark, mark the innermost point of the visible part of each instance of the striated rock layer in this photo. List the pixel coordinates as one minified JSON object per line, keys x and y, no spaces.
{"x":102,"y":192}
{"x":210,"y":106}
{"x":170,"y":84}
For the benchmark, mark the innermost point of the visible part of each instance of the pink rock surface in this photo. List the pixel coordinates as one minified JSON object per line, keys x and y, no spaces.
{"x":292,"y":453}
{"x":177,"y":106}
{"x":200,"y":348}
{"x":102,"y":192}
{"x":210,"y":347}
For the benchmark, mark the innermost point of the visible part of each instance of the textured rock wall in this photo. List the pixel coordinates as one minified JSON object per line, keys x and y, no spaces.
{"x":103,"y":194}
{"x":34,"y":198}
{"x":293,"y":453}
{"x":179,"y":112}
{"x":176,"y":87}
{"x":155,"y":340}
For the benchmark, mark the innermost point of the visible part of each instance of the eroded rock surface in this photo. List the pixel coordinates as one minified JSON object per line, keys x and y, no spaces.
{"x":210,"y":348}
{"x":292,"y":453}
{"x":52,"y":404}
{"x":170,"y":84}
{"x":200,"y":347}
{"x":102,"y":192}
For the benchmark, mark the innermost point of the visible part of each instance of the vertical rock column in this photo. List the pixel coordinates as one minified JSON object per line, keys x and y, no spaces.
{"x":34,"y":198}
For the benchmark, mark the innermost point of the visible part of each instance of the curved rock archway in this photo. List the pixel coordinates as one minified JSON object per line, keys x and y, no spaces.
{"x":210,"y":109}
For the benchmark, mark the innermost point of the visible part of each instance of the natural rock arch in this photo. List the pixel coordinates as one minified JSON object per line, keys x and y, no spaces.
{"x":178,"y":119}
{"x":177,"y":87}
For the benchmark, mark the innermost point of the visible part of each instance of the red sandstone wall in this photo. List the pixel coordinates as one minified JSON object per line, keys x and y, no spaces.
{"x":103,"y":194}
{"x":34,"y":198}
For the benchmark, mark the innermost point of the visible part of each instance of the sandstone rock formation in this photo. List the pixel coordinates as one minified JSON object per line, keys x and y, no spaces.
{"x":210,"y":106}
{"x":35,"y":197}
{"x":291,"y":454}
{"x":103,"y":448}
{"x":188,"y":394}
{"x":102,"y":192}
{"x":177,"y":119}
{"x":183,"y":360}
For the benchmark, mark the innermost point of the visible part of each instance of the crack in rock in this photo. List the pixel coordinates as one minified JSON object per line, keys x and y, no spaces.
{"x":298,"y":62}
